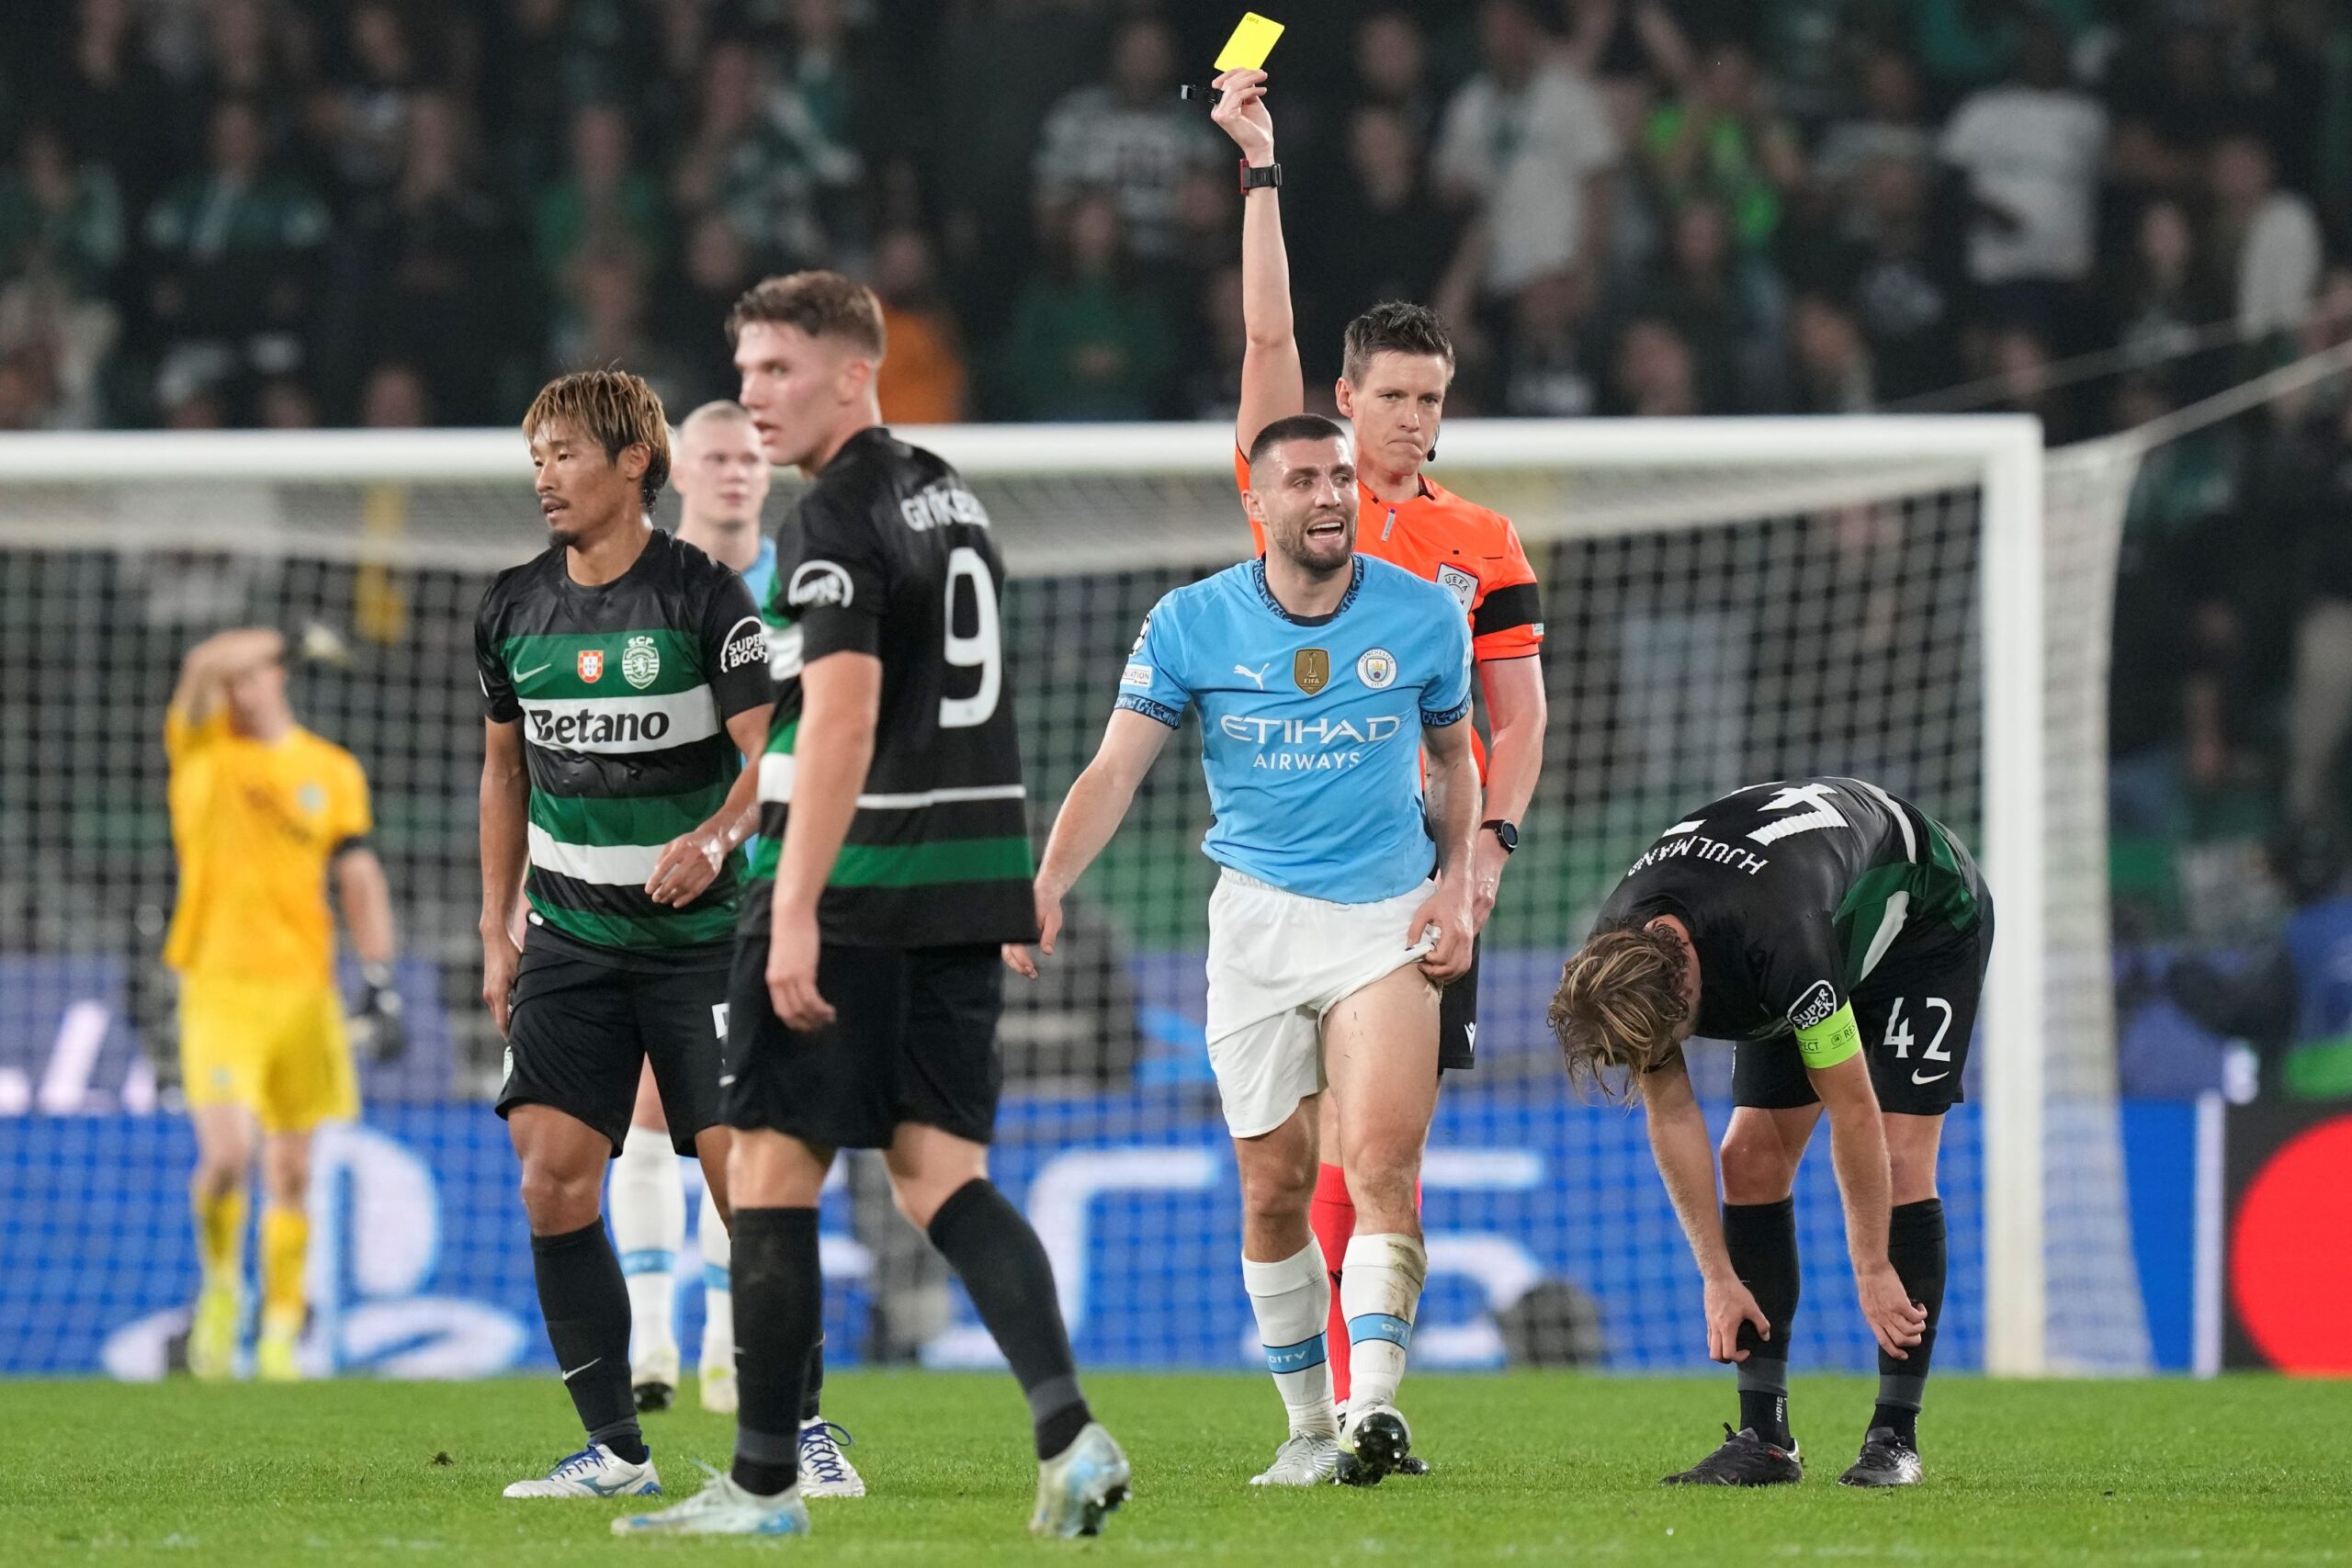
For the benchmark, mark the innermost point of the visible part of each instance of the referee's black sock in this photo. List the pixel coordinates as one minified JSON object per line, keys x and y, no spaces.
{"x":1914,"y":1244}
{"x":1762,"y":1241}
{"x":779,"y":1310}
{"x":1005,"y":1270}
{"x":586,"y":1303}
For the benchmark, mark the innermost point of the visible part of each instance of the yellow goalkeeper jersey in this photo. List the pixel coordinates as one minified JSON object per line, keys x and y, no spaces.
{"x":255,"y":826}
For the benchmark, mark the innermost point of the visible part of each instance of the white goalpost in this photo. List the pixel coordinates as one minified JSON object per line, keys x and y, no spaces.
{"x":1728,"y":601}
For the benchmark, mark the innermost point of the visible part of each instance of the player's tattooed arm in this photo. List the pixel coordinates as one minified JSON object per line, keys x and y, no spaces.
{"x":505,"y":856}
{"x":1858,"y":1149}
{"x":1090,"y":813}
{"x":1272,"y":385}
{"x":690,"y":862}
{"x":1686,"y":1161}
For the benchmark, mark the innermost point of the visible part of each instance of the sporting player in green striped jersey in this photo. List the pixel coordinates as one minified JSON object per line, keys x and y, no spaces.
{"x":1836,"y":935}
{"x":623,"y":677}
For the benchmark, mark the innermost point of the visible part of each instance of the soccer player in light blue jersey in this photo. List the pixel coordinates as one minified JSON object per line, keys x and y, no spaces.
{"x":1320,"y":677}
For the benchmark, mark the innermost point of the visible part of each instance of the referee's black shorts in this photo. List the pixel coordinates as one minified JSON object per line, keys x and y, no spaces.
{"x":1457,"y":1020}
{"x":914,"y":1039}
{"x":580,"y":1027}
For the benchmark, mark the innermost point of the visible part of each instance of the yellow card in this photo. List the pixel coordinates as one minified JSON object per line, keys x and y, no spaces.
{"x":1252,"y":41}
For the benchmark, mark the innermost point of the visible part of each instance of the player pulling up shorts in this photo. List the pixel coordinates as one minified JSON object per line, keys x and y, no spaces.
{"x":1320,"y":676}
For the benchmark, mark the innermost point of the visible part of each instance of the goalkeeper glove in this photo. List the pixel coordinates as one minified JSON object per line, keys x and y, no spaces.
{"x":379,"y":1030}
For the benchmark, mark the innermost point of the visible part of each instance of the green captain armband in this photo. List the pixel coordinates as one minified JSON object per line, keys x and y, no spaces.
{"x":1832,"y":1041}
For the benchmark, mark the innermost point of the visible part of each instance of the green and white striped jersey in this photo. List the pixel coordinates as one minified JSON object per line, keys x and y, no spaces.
{"x":623,"y":692}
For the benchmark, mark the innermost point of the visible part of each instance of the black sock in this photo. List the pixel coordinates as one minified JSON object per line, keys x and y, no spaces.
{"x":1762,"y":1241}
{"x":779,"y":1310}
{"x":1005,"y":1270}
{"x":1914,"y":1244}
{"x":812,"y":1395}
{"x":586,"y":1303}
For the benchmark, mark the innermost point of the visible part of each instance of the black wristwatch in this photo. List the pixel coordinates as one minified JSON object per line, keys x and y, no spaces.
{"x":1506,"y":833}
{"x":1267,"y":178}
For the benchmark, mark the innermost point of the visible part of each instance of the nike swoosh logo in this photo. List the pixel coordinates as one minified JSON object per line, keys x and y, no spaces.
{"x":1932,"y":1077}
{"x":580,"y":1368}
{"x":526,"y":674}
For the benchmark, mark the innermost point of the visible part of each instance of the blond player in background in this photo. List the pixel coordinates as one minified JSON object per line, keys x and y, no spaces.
{"x":264,"y":813}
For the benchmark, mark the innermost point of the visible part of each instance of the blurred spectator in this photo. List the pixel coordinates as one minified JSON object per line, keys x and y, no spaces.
{"x":1213,"y":380}
{"x":1130,"y":137}
{"x":418,"y":279}
{"x":1376,"y":232}
{"x":1088,"y":341}
{"x":1890,"y":128}
{"x":362,"y":119}
{"x":784,"y":173}
{"x":285,"y":403}
{"x":1830,"y":359}
{"x":1967,"y":43}
{"x":2019,"y":360}
{"x":604,"y":325}
{"x":1906,"y":286}
{"x":394,"y":397}
{"x":244,"y":57}
{"x":1527,"y":146}
{"x":2163,"y":297}
{"x":25,"y":392}
{"x":1615,"y":40}
{"x":234,"y":251}
{"x":2267,"y":239}
{"x":1655,"y":374}
{"x":1721,"y":141}
{"x":59,"y":216}
{"x":1726,"y":304}
{"x":690,"y":314}
{"x":924,"y":373}
{"x":1392,"y":60}
{"x":109,"y":100}
{"x":2030,"y":151}
{"x":2312,"y":485}
{"x":727,"y":126}
{"x":605,"y":203}
{"x":1548,"y":369}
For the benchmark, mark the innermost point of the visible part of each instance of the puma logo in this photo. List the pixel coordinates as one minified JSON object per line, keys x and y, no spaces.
{"x":1258,"y":675}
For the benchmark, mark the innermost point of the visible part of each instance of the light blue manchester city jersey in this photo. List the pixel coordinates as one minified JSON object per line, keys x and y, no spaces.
{"x":760,"y":575}
{"x":1310,"y":729}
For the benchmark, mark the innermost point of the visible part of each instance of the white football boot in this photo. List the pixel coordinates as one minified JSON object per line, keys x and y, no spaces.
{"x":595,"y":1471}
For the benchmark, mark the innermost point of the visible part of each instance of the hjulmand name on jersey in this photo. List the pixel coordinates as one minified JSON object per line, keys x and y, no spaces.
{"x":1695,"y":845}
{"x":1309,"y":745}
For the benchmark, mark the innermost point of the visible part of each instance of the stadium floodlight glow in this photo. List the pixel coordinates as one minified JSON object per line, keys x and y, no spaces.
{"x":1917,"y":599}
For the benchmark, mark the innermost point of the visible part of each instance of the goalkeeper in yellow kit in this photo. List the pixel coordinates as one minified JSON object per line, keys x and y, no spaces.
{"x":263,"y":813}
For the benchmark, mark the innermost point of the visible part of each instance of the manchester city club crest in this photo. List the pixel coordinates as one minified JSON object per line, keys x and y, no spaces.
{"x":592,"y":665}
{"x":1376,"y":668}
{"x":1311,"y":668}
{"x":640,"y":662}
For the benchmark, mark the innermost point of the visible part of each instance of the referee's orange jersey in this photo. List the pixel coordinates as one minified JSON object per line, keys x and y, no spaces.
{"x":1473,"y":553}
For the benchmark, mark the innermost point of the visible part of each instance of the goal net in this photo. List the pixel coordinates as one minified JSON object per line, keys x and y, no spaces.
{"x":1729,"y":602}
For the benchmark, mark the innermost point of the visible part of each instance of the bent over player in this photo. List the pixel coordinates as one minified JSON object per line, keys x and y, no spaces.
{"x":893,"y":860}
{"x":1838,"y":936}
{"x":1397,"y":366}
{"x":1320,"y":676}
{"x":264,"y":813}
{"x":622,"y":682}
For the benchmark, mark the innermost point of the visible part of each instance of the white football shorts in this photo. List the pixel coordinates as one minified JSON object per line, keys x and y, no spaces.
{"x":1278,"y":962}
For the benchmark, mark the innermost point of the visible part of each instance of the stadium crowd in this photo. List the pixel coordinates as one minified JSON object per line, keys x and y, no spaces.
{"x":403,"y":212}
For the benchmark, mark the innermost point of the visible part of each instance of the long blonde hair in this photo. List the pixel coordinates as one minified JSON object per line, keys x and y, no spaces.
{"x":1618,"y":1009}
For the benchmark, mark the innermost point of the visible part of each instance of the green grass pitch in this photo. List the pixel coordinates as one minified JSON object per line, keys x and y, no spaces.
{"x":1530,"y":1468}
